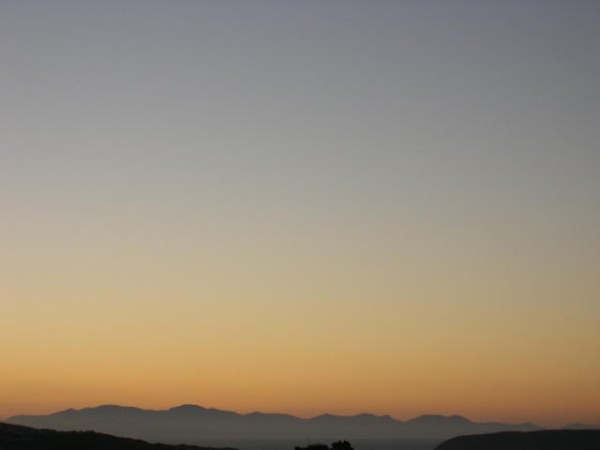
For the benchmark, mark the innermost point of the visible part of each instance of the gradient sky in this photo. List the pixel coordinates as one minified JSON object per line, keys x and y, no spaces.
{"x":302,"y":206}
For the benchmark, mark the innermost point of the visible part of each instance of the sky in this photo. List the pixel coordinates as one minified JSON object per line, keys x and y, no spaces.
{"x":302,"y":206}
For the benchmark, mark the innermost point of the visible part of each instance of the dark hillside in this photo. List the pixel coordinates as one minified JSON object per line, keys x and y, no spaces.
{"x":17,"y":437}
{"x":533,"y":440}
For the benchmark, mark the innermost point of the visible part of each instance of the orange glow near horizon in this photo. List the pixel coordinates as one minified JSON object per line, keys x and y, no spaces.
{"x":402,"y":359}
{"x":386,"y":342}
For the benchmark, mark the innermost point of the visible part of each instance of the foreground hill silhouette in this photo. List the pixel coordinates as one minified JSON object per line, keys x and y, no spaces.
{"x":195,"y":424}
{"x":534,"y":440}
{"x":18,"y":437}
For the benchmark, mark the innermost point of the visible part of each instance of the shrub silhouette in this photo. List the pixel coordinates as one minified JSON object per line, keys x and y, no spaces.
{"x":341,"y":445}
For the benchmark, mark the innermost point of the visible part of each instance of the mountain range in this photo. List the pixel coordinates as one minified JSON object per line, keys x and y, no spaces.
{"x":196,"y":424}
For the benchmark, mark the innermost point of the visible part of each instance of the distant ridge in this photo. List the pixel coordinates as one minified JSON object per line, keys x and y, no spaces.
{"x":193,"y":423}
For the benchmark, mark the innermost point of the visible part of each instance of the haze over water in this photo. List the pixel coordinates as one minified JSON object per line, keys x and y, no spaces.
{"x":304,"y":207}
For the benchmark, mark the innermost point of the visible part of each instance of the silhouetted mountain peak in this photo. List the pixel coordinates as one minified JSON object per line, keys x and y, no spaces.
{"x":437,"y":419}
{"x":199,"y":411}
{"x":262,"y":415}
{"x":107,"y":410}
{"x":325,"y":416}
{"x":111,"y":408}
